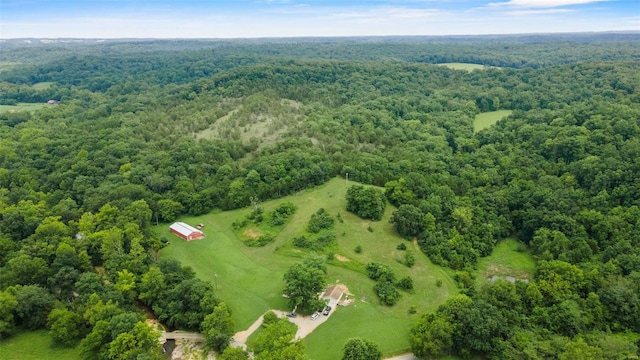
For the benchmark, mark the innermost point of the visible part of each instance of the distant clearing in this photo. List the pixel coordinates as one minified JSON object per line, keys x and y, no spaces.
{"x":22,"y":107}
{"x":484,"y":120}
{"x":42,"y":85}
{"x":466,"y":66}
{"x":250,"y":280}
{"x":35,"y":345}
{"x":258,"y":118}
{"x":507,"y":259}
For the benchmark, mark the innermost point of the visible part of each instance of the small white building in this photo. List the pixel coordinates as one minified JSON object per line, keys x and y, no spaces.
{"x":186,"y":231}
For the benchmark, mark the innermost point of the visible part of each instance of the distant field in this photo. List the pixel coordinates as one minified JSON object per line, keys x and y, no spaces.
{"x":22,"y":107}
{"x":42,"y":85}
{"x":465,"y":66}
{"x":486,"y":119}
{"x":36,"y":345}
{"x":506,"y":260}
{"x":250,"y":279}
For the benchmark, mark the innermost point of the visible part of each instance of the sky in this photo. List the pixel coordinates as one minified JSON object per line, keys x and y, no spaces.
{"x":297,"y":18}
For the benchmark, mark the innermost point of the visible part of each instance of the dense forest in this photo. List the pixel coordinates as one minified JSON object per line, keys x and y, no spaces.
{"x":145,"y":131}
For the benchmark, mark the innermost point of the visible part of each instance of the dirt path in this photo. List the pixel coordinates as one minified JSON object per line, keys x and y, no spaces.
{"x":242,"y":336}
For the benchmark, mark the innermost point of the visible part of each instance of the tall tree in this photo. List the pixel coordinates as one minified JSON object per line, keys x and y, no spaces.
{"x":361,"y":349}
{"x":217,"y":328}
{"x":303,"y":283}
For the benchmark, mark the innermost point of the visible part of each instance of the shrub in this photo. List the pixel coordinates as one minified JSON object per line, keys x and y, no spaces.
{"x":320,"y":220}
{"x":302,"y":242}
{"x":409,"y":259}
{"x":286,"y":209}
{"x":239,"y":223}
{"x":269,"y":318}
{"x":261,"y":240}
{"x":318,"y":243}
{"x":439,"y":283}
{"x":325,"y":239}
{"x":378,"y":271}
{"x":386,"y":292}
{"x":405,"y":283}
{"x":276,"y":219}
{"x":401,"y":246}
{"x":358,"y":249}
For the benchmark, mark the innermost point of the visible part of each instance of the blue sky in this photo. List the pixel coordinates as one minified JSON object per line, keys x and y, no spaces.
{"x":283,"y":18}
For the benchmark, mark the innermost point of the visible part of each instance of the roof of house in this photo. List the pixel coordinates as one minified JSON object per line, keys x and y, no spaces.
{"x":335,"y":292}
{"x":184,"y":229}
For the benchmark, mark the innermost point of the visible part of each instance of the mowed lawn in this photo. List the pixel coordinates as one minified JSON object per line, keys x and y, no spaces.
{"x":22,"y":107}
{"x":250,"y":279}
{"x":486,"y":119}
{"x":507,"y":259}
{"x":36,"y":345}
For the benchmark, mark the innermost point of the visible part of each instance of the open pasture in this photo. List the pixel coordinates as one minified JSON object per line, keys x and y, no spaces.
{"x":486,"y":119}
{"x":22,"y":107}
{"x":250,"y":280}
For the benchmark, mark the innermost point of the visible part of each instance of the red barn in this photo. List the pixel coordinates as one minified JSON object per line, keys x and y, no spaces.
{"x":186,"y":231}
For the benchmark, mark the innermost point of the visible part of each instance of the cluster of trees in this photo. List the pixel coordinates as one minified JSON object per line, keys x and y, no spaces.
{"x":366,"y":202}
{"x":81,"y":182}
{"x":82,"y":280}
{"x":386,"y":283}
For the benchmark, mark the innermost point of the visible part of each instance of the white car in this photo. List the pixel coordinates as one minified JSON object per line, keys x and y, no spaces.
{"x":315,"y":315}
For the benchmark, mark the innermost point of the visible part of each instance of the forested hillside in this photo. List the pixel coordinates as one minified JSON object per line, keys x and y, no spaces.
{"x":147,"y":131}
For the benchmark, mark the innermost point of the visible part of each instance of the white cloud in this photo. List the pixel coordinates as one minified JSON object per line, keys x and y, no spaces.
{"x":542,"y":3}
{"x":537,"y":12}
{"x":386,"y":14}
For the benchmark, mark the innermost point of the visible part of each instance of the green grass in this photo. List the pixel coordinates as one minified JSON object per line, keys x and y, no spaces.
{"x":42,"y":85}
{"x":250,"y":279}
{"x":465,"y":66}
{"x":360,"y":319}
{"x":35,"y":345}
{"x":486,"y":119}
{"x":506,"y":260}
{"x":22,"y":107}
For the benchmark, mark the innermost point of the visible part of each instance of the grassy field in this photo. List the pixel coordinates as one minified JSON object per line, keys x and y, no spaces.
{"x":506,"y":260}
{"x":42,"y":85}
{"x":35,"y":345}
{"x":22,"y":107}
{"x":250,"y":279}
{"x":464,"y":66}
{"x":486,"y":119}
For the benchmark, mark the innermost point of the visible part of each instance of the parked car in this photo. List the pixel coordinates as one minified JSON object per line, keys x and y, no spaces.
{"x":315,"y":315}
{"x":326,"y":311}
{"x":292,"y":315}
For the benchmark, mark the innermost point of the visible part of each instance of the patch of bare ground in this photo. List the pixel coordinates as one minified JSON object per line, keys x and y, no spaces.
{"x":189,"y":350}
{"x":502,"y":271}
{"x":251,"y":233}
{"x":342,"y":258}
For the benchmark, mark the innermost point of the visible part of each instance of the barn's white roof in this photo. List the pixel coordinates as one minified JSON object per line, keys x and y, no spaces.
{"x":184,"y":229}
